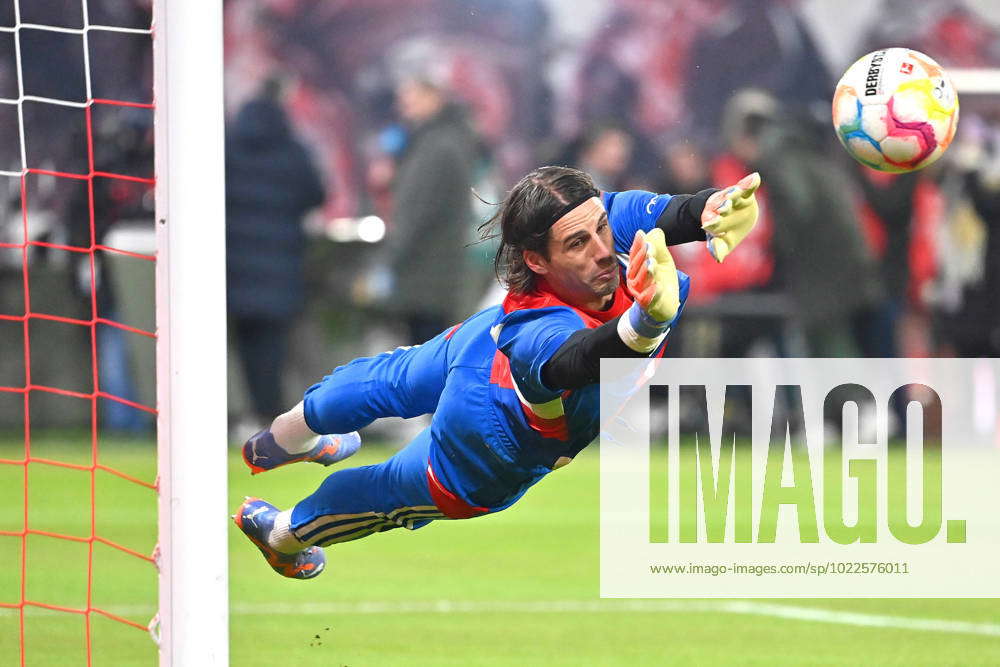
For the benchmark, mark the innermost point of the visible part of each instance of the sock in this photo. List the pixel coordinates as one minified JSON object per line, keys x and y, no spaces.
{"x":291,"y":432}
{"x":281,"y":537}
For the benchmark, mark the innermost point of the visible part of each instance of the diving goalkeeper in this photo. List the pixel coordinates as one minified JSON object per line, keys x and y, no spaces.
{"x":513,"y":389}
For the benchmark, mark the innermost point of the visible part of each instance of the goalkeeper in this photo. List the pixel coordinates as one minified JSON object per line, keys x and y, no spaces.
{"x":513,"y":389}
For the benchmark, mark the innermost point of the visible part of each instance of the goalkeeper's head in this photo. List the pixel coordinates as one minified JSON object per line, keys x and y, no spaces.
{"x":552,"y":225}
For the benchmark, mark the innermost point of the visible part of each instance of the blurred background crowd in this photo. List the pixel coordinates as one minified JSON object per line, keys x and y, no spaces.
{"x":367,"y":140}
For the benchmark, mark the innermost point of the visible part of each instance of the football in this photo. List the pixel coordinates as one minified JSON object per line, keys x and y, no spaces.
{"x":895,"y":110}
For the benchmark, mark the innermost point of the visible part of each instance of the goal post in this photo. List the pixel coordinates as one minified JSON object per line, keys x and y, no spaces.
{"x":191,"y":327}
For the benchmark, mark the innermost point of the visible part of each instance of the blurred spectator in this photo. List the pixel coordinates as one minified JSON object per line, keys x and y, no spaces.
{"x":889,"y":199}
{"x":685,"y":168}
{"x":822,"y":258}
{"x":604,"y":152}
{"x":762,"y":44}
{"x":742,"y":293}
{"x":629,"y":71}
{"x":425,"y":250}
{"x":973,"y":328}
{"x":898,"y":215}
{"x":270,"y":184}
{"x":123,"y":145}
{"x":342,"y":53}
{"x":753,"y":267}
{"x":952,"y":31}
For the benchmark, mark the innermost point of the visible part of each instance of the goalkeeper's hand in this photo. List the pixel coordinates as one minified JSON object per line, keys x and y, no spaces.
{"x":729,"y":216}
{"x":652,"y":276}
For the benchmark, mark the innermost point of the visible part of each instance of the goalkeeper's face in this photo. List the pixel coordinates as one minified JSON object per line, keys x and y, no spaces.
{"x":581,"y":266}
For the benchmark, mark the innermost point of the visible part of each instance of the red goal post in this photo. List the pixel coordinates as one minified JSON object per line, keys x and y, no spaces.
{"x":191,"y":327}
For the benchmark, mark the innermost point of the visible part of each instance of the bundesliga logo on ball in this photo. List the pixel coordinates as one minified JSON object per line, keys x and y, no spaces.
{"x":895,"y":110}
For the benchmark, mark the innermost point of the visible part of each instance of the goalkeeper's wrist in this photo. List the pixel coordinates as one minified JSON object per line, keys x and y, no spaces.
{"x":640,"y":331}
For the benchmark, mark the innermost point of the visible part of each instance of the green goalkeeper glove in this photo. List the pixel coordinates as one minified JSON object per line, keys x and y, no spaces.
{"x":652,"y":276}
{"x":729,"y":216}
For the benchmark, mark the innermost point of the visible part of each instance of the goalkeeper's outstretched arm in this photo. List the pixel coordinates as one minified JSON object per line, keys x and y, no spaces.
{"x":721,"y":217}
{"x":652,"y":279}
{"x":681,"y":219}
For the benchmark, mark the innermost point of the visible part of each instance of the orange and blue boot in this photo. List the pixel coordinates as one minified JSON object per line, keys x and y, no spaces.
{"x":261,"y":453}
{"x":255,"y":518}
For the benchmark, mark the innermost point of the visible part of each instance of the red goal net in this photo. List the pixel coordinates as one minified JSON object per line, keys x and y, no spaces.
{"x":76,"y":110}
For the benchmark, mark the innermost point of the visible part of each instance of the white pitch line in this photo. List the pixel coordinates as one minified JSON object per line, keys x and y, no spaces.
{"x":747,"y":608}
{"x":736,"y":607}
{"x":799,"y":613}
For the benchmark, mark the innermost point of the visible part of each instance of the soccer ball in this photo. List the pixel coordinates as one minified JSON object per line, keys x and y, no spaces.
{"x":895,"y":110}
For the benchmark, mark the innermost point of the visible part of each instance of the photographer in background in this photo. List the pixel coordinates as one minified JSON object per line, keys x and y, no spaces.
{"x":969,"y":323}
{"x":432,"y":205}
{"x":271,"y":183}
{"x":821,"y":256}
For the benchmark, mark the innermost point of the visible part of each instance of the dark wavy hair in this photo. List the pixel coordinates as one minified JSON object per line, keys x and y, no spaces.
{"x":524,"y":217}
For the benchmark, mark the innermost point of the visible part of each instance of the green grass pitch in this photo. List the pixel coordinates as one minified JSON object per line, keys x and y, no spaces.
{"x":453,"y":593}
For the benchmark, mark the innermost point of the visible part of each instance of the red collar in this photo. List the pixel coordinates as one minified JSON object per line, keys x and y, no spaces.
{"x":542,"y":296}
